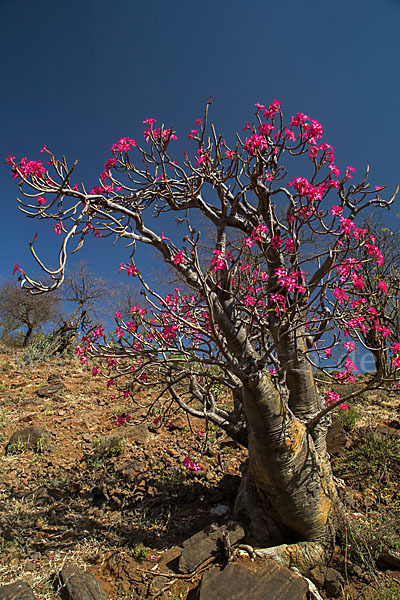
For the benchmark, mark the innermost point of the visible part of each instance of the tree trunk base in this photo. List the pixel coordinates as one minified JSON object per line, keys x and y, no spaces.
{"x":271,"y":538}
{"x":302,"y":555}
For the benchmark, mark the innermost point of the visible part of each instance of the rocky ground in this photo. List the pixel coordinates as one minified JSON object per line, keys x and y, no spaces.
{"x":105,"y":486}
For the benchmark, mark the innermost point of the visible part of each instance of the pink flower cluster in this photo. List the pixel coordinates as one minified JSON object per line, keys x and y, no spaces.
{"x":192,"y":466}
{"x":123,"y":145}
{"x":157,"y":134}
{"x":333,"y":398}
{"x":122,"y":419}
{"x":290,"y":280}
{"x":307,"y":190}
{"x":26,"y":167}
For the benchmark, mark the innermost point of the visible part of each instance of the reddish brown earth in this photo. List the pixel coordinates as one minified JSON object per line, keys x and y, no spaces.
{"x":118,"y":508}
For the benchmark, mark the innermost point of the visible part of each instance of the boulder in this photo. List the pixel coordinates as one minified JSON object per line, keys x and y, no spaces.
{"x":79,"y":585}
{"x":207,"y":543}
{"x":236,"y":582}
{"x":33,"y":437}
{"x":19,"y":590}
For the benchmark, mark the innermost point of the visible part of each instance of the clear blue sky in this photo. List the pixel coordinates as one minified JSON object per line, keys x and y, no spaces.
{"x":78,"y":75}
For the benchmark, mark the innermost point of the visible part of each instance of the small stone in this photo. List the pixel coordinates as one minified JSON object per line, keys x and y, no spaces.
{"x":219,"y":510}
{"x":329,"y":579}
{"x":179,"y":423}
{"x":334,"y":582}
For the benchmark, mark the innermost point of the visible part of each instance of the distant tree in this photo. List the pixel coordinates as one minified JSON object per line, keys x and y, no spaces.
{"x":18,"y":308}
{"x":257,"y":329}
{"x":89,"y":293}
{"x":382,"y":285}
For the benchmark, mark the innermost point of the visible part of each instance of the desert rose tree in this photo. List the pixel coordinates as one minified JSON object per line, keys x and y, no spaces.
{"x":259,"y":307}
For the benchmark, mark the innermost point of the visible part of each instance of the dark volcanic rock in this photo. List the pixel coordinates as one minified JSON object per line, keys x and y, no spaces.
{"x":19,"y":590}
{"x":79,"y":585}
{"x":329,"y":579}
{"x":237,"y":582}
{"x":335,"y":437}
{"x":389,"y":558}
{"x":206,"y":543}
{"x":33,"y":437}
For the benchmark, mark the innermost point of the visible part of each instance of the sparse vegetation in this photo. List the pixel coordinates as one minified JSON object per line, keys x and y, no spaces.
{"x":349,"y":417}
{"x":161,"y":503}
{"x":139,"y":552}
{"x":108,"y":447}
{"x":387,"y":590}
{"x":37,"y":351}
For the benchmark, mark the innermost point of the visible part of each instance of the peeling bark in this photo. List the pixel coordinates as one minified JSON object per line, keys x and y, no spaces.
{"x":288,"y":492}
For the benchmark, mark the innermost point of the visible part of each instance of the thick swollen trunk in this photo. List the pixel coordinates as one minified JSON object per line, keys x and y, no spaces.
{"x":288,"y":493}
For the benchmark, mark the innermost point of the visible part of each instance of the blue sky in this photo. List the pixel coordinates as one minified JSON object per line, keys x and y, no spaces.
{"x":77,"y":76}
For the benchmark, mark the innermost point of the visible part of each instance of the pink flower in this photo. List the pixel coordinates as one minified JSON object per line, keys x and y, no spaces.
{"x":349,"y":346}
{"x":192,"y":133}
{"x":328,"y":352}
{"x":299,"y":119}
{"x":289,"y":245}
{"x":336,"y":210}
{"x":179,"y":258}
{"x":382,"y":285}
{"x":163,"y":237}
{"x":41,"y":200}
{"x":117,"y":315}
{"x":374,"y":251}
{"x":58,"y":228}
{"x":95,"y":371}
{"x":16,"y":268}
{"x":273,"y":108}
{"x":276,"y":242}
{"x":396,"y":362}
{"x":334,"y":169}
{"x":132,"y":270}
